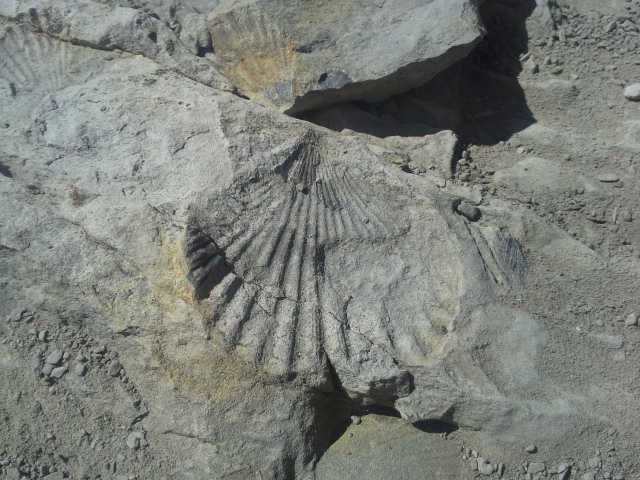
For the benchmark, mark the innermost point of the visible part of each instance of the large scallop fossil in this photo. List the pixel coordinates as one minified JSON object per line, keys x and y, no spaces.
{"x":307,"y":259}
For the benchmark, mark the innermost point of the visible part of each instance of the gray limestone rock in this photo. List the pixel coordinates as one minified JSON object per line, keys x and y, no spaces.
{"x":632,"y":92}
{"x":272,"y":276}
{"x":54,"y":357}
{"x":107,"y":27}
{"x":301,"y":56}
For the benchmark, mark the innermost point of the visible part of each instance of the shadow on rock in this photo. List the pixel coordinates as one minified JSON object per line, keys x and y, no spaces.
{"x":479,"y":97}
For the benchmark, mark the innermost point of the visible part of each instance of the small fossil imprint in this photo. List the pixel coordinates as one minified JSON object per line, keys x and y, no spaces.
{"x":36,"y":64}
{"x":502,"y":255}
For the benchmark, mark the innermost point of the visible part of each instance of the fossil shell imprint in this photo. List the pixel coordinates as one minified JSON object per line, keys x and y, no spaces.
{"x":35,"y":63}
{"x":260,"y":263}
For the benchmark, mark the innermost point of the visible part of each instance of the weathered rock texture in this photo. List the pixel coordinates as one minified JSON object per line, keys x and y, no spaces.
{"x":113,"y":28}
{"x":296,"y":56}
{"x":196,"y":286}
{"x":171,"y":210}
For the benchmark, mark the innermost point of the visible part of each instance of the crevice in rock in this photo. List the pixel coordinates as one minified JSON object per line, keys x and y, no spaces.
{"x":444,"y":424}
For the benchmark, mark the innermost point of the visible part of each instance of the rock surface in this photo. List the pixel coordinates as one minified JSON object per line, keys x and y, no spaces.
{"x":195,"y":286}
{"x":300,"y":56}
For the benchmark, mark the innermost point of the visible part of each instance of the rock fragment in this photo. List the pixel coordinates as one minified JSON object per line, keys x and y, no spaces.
{"x":471,"y":212}
{"x":59,"y":372}
{"x":632,"y":92}
{"x":608,"y":178}
{"x":54,"y":357}
{"x":594,"y":462}
{"x":114,"y":368}
{"x":631,"y":320}
{"x":300,"y":56}
{"x":484,"y":467}
{"x":536,"y":467}
{"x":137,"y":440}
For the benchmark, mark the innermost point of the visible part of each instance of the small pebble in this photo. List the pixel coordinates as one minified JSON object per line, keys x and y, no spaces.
{"x":54,"y":357}
{"x":59,"y":372}
{"x":484,"y":467}
{"x":80,"y":369}
{"x":594,"y":462}
{"x":631,"y":320}
{"x":531,"y":449}
{"x":536,"y":467}
{"x":470,"y":212}
{"x":114,"y":368}
{"x":102,"y":349}
{"x":356,"y":420}
{"x":632,"y":92}
{"x":608,"y":178}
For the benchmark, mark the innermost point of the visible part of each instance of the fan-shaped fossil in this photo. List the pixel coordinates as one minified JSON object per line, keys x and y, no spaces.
{"x":36,"y":64}
{"x":257,"y":259}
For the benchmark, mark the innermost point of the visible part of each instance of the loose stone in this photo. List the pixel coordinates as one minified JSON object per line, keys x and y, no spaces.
{"x":59,"y":372}
{"x":471,"y":212}
{"x":608,"y":178}
{"x":114,"y":368}
{"x":632,"y":92}
{"x":631,"y":320}
{"x":54,"y":357}
{"x":80,"y":369}
{"x":594,"y":462}
{"x":484,"y":467}
{"x":531,"y":449}
{"x":536,"y":467}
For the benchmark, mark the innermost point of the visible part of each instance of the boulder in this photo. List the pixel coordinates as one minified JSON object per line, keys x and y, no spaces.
{"x":298,"y":56}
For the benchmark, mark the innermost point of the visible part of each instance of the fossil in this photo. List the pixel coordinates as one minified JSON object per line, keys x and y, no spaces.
{"x":37,"y":64}
{"x":260,"y":263}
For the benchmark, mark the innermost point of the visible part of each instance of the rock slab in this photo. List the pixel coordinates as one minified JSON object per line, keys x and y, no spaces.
{"x":299,"y":56}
